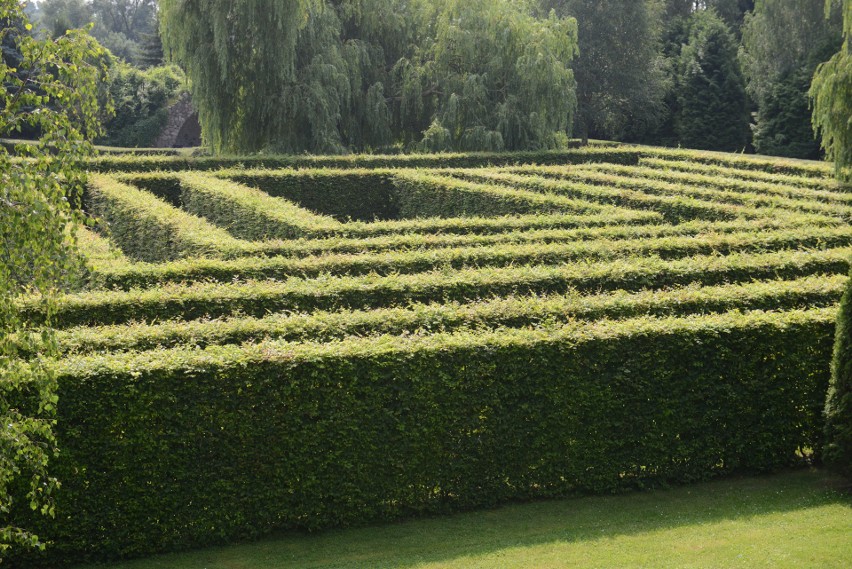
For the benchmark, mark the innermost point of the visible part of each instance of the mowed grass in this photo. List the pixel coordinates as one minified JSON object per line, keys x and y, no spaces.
{"x":801,"y":518}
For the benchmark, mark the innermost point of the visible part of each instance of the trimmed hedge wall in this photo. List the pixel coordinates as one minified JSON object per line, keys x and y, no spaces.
{"x":430,"y":195}
{"x":748,"y":194}
{"x":334,"y":292}
{"x":171,"y":449}
{"x":149,"y":229}
{"x":838,"y":408}
{"x":673,"y":208}
{"x":358,"y":194}
{"x":769,"y":229}
{"x":619,"y":155}
{"x":738,"y":180}
{"x":801,"y":168}
{"x":514,"y":311}
{"x":737,"y":173}
{"x":249,"y":213}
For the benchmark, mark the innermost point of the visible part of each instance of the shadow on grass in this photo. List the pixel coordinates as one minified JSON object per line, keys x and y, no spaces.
{"x":407,"y":544}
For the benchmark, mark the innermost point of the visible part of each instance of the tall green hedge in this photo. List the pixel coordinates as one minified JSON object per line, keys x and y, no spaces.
{"x":838,"y":409}
{"x":330,"y":292}
{"x":359,"y":194}
{"x":583,"y":155}
{"x":150,"y":229}
{"x":172,"y":449}
{"x":514,"y":311}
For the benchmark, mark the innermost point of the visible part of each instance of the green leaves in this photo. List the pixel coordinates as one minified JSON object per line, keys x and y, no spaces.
{"x":53,"y":90}
{"x":364,"y":429}
{"x":713,"y":110}
{"x":831,"y":92}
{"x":334,"y":76}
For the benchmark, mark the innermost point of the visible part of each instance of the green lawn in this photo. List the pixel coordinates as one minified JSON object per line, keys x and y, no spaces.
{"x":795,"y":519}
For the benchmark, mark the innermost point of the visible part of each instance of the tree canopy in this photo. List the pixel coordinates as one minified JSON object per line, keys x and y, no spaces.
{"x":831,"y":91}
{"x":121,"y":26}
{"x":712,"y":105}
{"x":619,"y":71}
{"x":367,"y":74}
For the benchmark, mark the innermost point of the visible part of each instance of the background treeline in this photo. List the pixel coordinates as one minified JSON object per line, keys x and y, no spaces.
{"x":332,"y":76}
{"x":140,"y":84}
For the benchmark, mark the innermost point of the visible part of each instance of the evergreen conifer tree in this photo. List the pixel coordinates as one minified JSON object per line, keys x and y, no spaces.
{"x":783,"y":42}
{"x":619,"y":70}
{"x":713,"y":108}
{"x":150,"y":52}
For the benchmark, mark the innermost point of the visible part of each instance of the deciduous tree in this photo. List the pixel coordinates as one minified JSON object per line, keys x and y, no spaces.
{"x":831,"y":91}
{"x":53,"y":88}
{"x":619,"y":71}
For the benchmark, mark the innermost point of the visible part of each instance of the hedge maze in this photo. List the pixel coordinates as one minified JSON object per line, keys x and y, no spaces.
{"x":315,"y":343}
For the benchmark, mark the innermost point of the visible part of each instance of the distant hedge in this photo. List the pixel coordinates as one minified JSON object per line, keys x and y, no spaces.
{"x":171,"y":449}
{"x":125,"y":163}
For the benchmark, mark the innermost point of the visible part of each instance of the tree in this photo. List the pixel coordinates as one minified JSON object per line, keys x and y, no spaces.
{"x":131,"y":18}
{"x":52,"y":88}
{"x":619,"y":71}
{"x":713,"y":109}
{"x":783,"y":42}
{"x":367,"y":74}
{"x":150,"y":53}
{"x":501,"y":77}
{"x":237,"y":81}
{"x":119,"y":25}
{"x":59,"y":16}
{"x":783,"y":126}
{"x":831,"y":91}
{"x":142,"y":99}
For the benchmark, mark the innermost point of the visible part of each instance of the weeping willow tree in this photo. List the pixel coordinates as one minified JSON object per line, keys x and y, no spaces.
{"x":341,"y":75}
{"x":238,"y":55}
{"x":501,"y":77}
{"x":831,"y":91}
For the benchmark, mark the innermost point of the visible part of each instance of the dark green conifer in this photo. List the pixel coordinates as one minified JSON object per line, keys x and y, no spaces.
{"x":713,"y":107}
{"x":150,"y":51}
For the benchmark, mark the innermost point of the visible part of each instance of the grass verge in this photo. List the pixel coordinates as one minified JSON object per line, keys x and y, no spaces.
{"x":799,"y":518}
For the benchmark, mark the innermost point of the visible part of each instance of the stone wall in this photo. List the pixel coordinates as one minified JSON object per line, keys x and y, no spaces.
{"x":182,"y":128}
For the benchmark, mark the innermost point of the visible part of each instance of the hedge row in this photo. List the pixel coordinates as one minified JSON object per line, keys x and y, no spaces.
{"x":99,"y":253}
{"x":807,"y":292}
{"x":476,"y":255}
{"x":421,"y":241}
{"x":674,"y":208}
{"x":356,"y":194}
{"x":247,"y":212}
{"x":754,"y":194}
{"x":167,"y":186}
{"x":137,"y":218}
{"x":617,"y":155}
{"x":828,"y":192}
{"x":420,"y":234}
{"x":750,"y":204}
{"x":384,"y":194}
{"x":257,"y":298}
{"x":170,"y":449}
{"x":739,"y":174}
{"x":838,"y":406}
{"x":800,"y":168}
{"x":149,"y":229}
